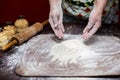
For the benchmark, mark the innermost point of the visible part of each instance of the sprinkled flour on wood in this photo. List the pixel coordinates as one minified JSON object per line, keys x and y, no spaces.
{"x":45,"y":55}
{"x":70,"y":50}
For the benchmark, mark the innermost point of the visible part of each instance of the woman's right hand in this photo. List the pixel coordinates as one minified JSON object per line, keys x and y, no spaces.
{"x":56,"y":20}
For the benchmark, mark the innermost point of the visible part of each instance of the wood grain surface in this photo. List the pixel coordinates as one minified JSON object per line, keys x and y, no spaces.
{"x":11,"y":57}
{"x":37,"y":60}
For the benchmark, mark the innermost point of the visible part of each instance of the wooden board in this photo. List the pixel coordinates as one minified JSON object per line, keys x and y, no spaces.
{"x":36,"y":59}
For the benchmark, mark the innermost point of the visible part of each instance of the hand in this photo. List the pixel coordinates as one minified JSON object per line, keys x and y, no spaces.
{"x":56,"y":20}
{"x":93,"y":24}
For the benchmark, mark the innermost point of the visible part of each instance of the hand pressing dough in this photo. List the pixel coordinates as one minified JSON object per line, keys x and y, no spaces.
{"x":70,"y":50}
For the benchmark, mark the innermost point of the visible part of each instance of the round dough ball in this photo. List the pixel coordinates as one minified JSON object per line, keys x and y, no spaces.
{"x":21,"y":23}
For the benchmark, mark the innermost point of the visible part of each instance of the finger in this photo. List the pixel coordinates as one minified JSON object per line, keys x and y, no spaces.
{"x":61,"y":23}
{"x":85,"y":36}
{"x":92,"y":31}
{"x":56,"y":31}
{"x":55,"y":21}
{"x":62,"y":27}
{"x":56,"y":27}
{"x":90,"y":24}
{"x":88,"y":27}
{"x":60,"y":30}
{"x":61,"y":34}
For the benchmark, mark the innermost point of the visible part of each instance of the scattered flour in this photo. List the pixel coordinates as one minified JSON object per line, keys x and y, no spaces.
{"x":70,"y":50}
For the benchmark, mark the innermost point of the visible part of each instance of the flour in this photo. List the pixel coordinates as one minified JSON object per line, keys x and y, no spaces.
{"x":70,"y":50}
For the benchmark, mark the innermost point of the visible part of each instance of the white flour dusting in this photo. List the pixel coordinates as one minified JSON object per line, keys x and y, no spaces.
{"x":70,"y":50}
{"x":45,"y":55}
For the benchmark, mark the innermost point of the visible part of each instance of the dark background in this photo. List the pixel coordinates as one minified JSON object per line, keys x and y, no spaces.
{"x":33,"y":10}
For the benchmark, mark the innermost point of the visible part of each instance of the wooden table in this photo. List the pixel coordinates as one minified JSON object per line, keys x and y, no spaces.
{"x":9,"y":61}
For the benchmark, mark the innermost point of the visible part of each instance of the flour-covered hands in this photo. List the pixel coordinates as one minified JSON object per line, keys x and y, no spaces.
{"x":56,"y":19}
{"x":93,"y":25}
{"x":95,"y":19}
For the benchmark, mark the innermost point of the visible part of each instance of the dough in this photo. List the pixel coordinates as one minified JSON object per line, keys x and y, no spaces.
{"x":21,"y":23}
{"x":3,"y":39}
{"x":9,"y":30}
{"x":70,"y":50}
{"x":21,"y":30}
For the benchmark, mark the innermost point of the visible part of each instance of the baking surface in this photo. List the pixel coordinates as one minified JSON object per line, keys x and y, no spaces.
{"x":37,"y":60}
{"x":11,"y":58}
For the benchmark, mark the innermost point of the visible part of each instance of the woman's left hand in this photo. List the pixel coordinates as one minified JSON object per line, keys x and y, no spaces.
{"x":93,"y":24}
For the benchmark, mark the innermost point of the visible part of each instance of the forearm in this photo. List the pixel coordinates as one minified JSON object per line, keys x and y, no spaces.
{"x":54,"y":3}
{"x":100,"y":4}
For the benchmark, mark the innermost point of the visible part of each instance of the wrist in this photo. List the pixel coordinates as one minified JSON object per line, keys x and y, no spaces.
{"x":55,"y":3}
{"x":55,"y":6}
{"x":100,"y":5}
{"x":99,"y":10}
